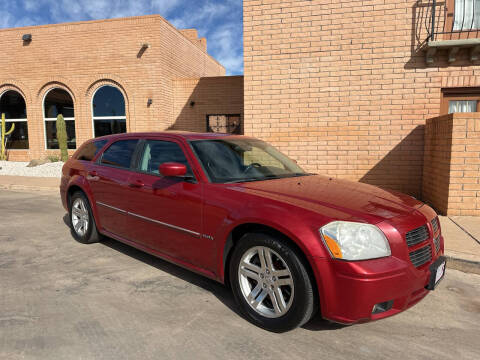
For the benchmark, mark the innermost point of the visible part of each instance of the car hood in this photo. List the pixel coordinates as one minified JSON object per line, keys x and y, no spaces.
{"x":335,"y":198}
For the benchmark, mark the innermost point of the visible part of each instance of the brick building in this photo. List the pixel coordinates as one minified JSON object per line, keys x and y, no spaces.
{"x":346,"y":87}
{"x":108,"y":76}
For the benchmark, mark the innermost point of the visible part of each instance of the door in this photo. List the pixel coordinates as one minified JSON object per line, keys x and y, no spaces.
{"x":108,"y":180}
{"x":166,"y":213}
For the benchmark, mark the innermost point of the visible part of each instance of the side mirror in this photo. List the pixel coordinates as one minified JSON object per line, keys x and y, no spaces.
{"x":172,"y":169}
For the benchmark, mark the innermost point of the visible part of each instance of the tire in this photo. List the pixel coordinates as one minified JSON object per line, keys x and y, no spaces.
{"x":80,"y":213}
{"x":275,"y":294}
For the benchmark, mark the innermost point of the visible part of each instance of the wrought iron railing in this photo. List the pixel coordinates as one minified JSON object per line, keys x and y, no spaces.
{"x":454,"y":19}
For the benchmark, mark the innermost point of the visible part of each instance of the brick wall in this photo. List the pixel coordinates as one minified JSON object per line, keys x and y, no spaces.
{"x":343,"y":85}
{"x":211,"y":95}
{"x":452,"y":164}
{"x":80,"y":57}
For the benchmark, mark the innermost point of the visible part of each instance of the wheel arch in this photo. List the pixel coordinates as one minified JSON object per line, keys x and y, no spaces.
{"x":78,"y":185}
{"x":251,"y":227}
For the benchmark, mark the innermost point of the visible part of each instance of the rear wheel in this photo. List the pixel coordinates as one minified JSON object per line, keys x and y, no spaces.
{"x":82,"y":223}
{"x":270,"y":283}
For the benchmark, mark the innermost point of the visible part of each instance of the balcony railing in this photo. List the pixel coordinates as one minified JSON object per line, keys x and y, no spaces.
{"x":451,"y":25}
{"x":454,"y":20}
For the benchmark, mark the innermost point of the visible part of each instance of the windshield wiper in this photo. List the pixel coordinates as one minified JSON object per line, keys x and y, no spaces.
{"x":265,"y":177}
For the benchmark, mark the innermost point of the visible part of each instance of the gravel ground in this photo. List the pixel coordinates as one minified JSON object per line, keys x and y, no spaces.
{"x":18,"y":168}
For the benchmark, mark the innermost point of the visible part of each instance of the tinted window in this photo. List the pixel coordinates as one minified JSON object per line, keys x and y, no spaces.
{"x":90,"y":150}
{"x":120,"y":153}
{"x":57,"y":102}
{"x":158,"y":152}
{"x":52,"y":139}
{"x":109,"y":126}
{"x":13,"y":106}
{"x":107,"y":102}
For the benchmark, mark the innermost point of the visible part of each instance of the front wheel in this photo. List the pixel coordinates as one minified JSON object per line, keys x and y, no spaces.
{"x":270,"y":283}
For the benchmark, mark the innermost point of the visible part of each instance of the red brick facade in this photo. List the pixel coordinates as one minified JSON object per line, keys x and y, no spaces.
{"x":344,"y":87}
{"x":81,"y":57}
{"x":452,"y":164}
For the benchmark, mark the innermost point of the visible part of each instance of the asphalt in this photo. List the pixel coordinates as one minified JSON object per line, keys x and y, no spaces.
{"x":63,"y":300}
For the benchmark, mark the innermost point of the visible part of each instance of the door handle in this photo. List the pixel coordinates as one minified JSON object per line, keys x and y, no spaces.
{"x":93,"y":176}
{"x":136,"y":184}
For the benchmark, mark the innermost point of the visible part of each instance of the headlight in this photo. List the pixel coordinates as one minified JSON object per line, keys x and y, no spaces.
{"x":354,"y":241}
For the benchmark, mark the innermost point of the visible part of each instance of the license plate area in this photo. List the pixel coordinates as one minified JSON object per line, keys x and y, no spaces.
{"x":437,"y":272}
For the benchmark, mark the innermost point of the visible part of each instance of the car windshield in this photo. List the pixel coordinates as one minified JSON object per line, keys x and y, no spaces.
{"x":243,"y":160}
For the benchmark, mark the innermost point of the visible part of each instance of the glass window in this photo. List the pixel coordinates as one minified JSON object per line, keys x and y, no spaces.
{"x":226,"y":124}
{"x":467,"y":15}
{"x":120,"y":153}
{"x":462,"y":106}
{"x":13,"y":106}
{"x":59,"y":102}
{"x":241,"y":160}
{"x":90,"y":150}
{"x":108,"y":109}
{"x":158,"y":152}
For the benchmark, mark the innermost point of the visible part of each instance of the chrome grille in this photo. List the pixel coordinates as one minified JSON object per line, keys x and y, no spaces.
{"x":417,"y":236}
{"x":436,"y":242}
{"x":435,"y":225}
{"x":421,"y":256}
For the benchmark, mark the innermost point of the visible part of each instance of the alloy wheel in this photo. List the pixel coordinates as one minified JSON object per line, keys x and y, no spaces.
{"x":266,"y":282}
{"x":80,"y":217}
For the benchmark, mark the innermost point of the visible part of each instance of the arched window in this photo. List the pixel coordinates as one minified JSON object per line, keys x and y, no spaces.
{"x":13,"y":106}
{"x":108,"y":109}
{"x":58,"y":101}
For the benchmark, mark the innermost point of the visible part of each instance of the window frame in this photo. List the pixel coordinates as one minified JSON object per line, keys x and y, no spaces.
{"x":17,"y":120}
{"x":451,"y":34}
{"x":45,"y":119}
{"x":107,"y":117}
{"x":458,"y":94}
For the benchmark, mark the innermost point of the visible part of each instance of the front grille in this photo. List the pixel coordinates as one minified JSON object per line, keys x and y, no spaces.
{"x":435,"y":225}
{"x":421,"y":256}
{"x":436,"y":242}
{"x":417,"y":236}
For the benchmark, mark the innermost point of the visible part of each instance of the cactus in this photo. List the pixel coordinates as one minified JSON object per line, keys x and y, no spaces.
{"x":62,"y":137}
{"x":3,"y":156}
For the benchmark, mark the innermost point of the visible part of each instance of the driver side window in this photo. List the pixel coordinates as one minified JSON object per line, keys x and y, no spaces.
{"x":157,"y":152}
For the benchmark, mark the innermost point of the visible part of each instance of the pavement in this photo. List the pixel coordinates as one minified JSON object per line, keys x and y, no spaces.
{"x":60,"y":299}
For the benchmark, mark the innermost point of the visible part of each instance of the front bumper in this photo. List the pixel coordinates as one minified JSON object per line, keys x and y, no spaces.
{"x":350,"y":290}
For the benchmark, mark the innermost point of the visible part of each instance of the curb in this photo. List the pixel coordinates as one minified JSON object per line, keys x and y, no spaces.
{"x":27,"y":188}
{"x":467,"y":266}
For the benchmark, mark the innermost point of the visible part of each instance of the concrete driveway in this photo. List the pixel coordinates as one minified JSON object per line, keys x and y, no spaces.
{"x":63,"y":300}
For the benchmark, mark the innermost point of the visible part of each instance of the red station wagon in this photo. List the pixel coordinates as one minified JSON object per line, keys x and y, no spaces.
{"x":235,"y":209}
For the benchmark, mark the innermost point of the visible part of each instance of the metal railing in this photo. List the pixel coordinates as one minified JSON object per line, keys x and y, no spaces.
{"x":461,"y":20}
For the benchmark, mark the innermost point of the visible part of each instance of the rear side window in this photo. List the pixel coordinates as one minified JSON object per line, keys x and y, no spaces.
{"x":90,"y":150}
{"x":120,"y":153}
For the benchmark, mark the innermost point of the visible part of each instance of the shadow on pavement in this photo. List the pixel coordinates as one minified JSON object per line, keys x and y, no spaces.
{"x":220,"y":291}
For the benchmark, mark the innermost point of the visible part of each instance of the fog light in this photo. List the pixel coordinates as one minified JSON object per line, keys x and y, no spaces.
{"x":382,"y":307}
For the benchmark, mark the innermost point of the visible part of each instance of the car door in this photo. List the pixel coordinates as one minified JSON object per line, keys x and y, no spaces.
{"x":108,"y":179}
{"x":166,"y":212}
